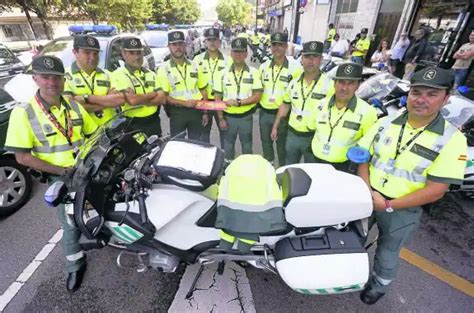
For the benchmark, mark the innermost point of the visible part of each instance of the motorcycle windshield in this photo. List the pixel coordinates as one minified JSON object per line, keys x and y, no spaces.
{"x":105,"y":134}
{"x":377,"y":87}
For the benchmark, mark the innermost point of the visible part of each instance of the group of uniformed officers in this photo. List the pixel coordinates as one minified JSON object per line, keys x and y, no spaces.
{"x":415,"y":155}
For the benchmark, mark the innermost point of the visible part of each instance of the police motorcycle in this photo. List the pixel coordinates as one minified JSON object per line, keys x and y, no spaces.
{"x":156,"y":199}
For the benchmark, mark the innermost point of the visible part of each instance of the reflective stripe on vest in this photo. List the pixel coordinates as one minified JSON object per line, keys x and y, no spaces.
{"x":417,"y":173}
{"x":38,"y":132}
{"x":174,"y":91}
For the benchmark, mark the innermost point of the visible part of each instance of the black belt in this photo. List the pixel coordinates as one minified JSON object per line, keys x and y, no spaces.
{"x":301,"y":134}
{"x":249,"y":112}
{"x":269,"y":111}
{"x":153,"y":117}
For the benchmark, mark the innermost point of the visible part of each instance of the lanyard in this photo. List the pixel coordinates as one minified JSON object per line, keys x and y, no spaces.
{"x":315,"y":82}
{"x":139,"y":81}
{"x":399,"y":150}
{"x":67,"y":118}
{"x":181,"y":74}
{"x":91,"y":87}
{"x":214,"y":68}
{"x":238,"y":83}
{"x":331,"y":127}
{"x":274,"y":80}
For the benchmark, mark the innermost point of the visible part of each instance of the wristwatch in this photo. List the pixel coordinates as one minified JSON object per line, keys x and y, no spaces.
{"x":86,"y":98}
{"x":388,"y":206}
{"x":239,"y":102}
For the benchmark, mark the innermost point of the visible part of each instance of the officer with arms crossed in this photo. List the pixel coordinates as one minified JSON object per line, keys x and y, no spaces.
{"x":184,"y":87}
{"x":210,"y":64}
{"x":89,"y":84}
{"x":276,"y":76}
{"x":240,"y":87}
{"x":341,"y":120}
{"x":138,"y":85}
{"x":415,"y":157}
{"x":300,"y":102}
{"x":44,"y":134}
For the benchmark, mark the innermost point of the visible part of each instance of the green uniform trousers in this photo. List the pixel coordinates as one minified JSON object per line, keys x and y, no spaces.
{"x":240,"y":125}
{"x":182,"y":119}
{"x":206,"y":130}
{"x":151,"y":125}
{"x":75,"y":256}
{"x":298,"y":145}
{"x":266,"y":120}
{"x":395,"y":229}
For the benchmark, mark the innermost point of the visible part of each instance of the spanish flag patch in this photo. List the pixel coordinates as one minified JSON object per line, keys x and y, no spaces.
{"x":462,"y":157}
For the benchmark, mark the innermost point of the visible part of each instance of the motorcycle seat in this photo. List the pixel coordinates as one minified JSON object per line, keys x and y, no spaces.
{"x":294,"y":182}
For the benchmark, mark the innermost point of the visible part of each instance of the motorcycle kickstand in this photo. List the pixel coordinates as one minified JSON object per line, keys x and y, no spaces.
{"x":193,"y":285}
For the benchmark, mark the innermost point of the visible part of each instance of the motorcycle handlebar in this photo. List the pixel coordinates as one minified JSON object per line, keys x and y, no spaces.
{"x":142,"y":207}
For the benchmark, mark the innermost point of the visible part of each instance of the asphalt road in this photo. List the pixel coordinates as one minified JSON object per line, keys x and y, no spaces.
{"x":445,"y":240}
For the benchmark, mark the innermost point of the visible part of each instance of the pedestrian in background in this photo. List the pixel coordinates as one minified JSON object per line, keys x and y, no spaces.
{"x":361,"y":47}
{"x":463,"y":57}
{"x":381,"y":56}
{"x":398,"y":51}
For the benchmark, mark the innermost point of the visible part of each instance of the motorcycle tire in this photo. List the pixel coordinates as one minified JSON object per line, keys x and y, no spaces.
{"x":13,"y":197}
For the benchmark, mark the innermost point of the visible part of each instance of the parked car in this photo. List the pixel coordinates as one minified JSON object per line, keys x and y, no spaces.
{"x":10,"y":64}
{"x":157,"y":40}
{"x":15,"y":181}
{"x":22,"y":87}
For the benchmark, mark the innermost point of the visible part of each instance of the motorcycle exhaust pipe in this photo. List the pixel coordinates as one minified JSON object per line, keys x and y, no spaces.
{"x":139,"y":266}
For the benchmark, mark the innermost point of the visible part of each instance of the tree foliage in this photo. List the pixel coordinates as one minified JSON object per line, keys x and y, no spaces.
{"x":175,"y":12}
{"x":234,"y":12}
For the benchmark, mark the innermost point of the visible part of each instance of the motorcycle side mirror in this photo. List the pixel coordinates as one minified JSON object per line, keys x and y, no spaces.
{"x":358,"y":155}
{"x":55,"y":193}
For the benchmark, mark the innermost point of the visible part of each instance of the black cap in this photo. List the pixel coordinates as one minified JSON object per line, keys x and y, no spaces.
{"x":132,"y":44}
{"x":364,"y":31}
{"x":279,"y":37}
{"x":47,"y":64}
{"x":86,"y":42}
{"x":175,"y":36}
{"x":349,"y":71}
{"x":239,"y":44}
{"x":211,"y":33}
{"x":434,"y":77}
{"x":313,"y":47}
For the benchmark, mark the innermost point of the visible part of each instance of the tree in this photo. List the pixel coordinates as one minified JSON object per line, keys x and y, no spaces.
{"x":176,"y":11}
{"x":234,"y":12}
{"x":126,"y":14}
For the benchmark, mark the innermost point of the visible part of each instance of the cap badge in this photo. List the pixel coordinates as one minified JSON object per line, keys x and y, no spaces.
{"x":176,"y":35}
{"x":277,"y":36}
{"x":238,"y":43}
{"x":90,"y":41}
{"x":348,"y":70}
{"x":429,"y":75}
{"x":313,"y":46}
{"x":133,"y":42}
{"x":48,"y":63}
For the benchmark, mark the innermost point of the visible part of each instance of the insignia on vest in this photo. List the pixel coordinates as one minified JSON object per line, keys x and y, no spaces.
{"x":351,"y":125}
{"x":103,"y":83}
{"x":193,"y":74}
{"x":424,"y":152}
{"x":317,"y":96}
{"x":247,"y":80}
{"x":47,"y":128}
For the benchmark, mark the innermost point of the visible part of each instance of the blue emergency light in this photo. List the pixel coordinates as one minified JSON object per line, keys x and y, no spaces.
{"x":463,"y":89}
{"x":161,"y":26}
{"x":98,"y":29}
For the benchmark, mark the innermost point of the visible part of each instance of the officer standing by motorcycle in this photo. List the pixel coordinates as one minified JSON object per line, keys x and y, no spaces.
{"x":179,"y":78}
{"x":138,"y":85}
{"x":44,"y":134}
{"x":276,"y":76}
{"x":415,"y":157}
{"x":210,"y":64}
{"x":300,"y":101}
{"x":240,"y":87}
{"x":89,"y":84}
{"x":341,"y":120}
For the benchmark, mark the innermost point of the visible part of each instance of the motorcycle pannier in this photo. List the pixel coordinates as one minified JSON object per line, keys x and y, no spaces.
{"x":189,"y":164}
{"x":334,"y":262}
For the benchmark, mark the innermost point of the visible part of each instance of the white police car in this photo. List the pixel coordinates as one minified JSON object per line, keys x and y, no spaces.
{"x":156,"y":36}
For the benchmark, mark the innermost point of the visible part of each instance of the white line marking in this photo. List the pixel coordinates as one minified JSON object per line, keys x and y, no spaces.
{"x":229,"y":292}
{"x":15,"y":287}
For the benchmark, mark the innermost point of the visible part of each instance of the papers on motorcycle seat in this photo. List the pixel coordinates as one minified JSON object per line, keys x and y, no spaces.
{"x":188,"y":157}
